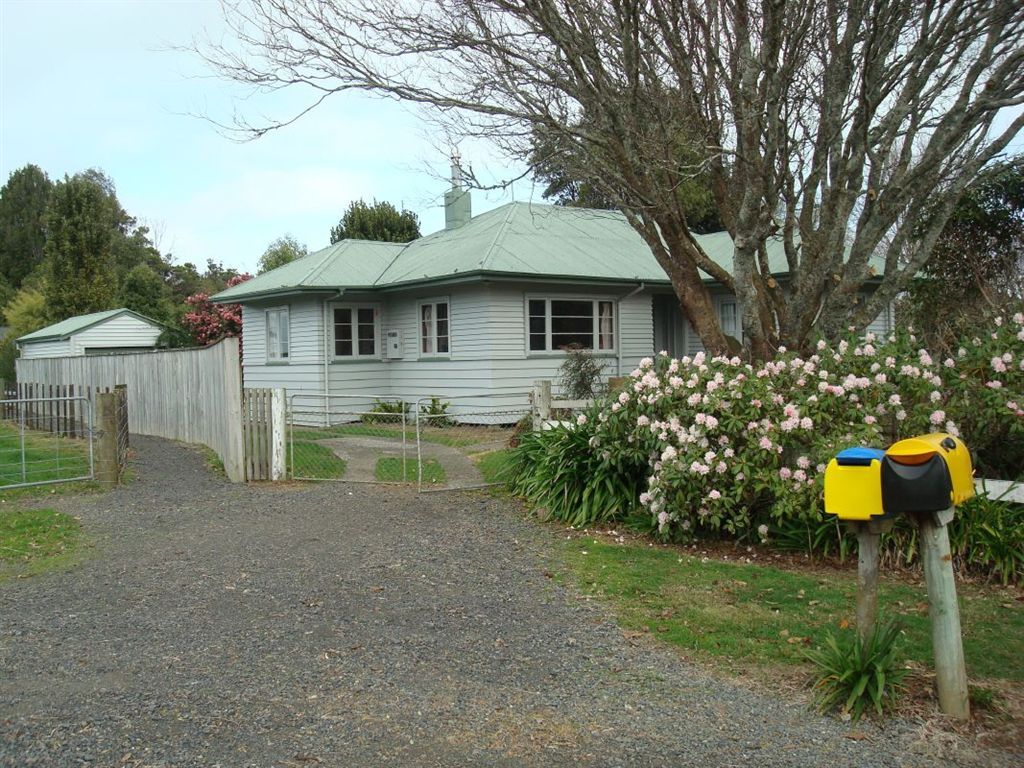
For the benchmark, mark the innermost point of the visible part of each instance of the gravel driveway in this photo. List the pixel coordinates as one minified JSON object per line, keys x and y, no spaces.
{"x":328,"y":625}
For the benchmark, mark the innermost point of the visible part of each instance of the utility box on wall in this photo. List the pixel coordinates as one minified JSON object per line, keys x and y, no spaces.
{"x":393,"y":345}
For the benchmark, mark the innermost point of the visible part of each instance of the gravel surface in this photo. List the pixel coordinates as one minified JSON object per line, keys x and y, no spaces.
{"x":334,"y":625}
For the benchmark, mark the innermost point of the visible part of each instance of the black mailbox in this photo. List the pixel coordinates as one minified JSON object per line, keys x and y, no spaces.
{"x":929,"y":473}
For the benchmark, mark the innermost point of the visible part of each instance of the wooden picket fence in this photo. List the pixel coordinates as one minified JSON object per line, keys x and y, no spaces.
{"x":57,"y":408}
{"x":263,"y":434}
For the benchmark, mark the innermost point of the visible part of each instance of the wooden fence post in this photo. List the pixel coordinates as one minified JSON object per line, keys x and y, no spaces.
{"x":541,"y":402}
{"x":947,"y":642}
{"x":277,"y":440}
{"x":105,"y":440}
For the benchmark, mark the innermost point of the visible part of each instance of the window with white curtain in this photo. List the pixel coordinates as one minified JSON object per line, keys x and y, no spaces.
{"x":434,"y":328}
{"x":277,"y":334}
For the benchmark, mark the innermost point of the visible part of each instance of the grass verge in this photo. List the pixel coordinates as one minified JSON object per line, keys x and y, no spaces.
{"x":389,"y":470}
{"x":311,"y":461}
{"x":758,"y":617}
{"x":36,"y":540}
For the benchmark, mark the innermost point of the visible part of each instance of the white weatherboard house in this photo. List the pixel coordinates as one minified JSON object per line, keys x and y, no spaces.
{"x":99,"y":333}
{"x":484,"y":307}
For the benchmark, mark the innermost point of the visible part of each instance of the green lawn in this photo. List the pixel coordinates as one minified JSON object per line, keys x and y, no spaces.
{"x":762,"y":616}
{"x":35,"y":540}
{"x":389,"y":470}
{"x":311,"y":461}
{"x":492,"y":465}
{"x":47,"y":457}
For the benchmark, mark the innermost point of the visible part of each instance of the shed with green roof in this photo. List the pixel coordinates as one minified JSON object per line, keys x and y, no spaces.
{"x":111,"y":331}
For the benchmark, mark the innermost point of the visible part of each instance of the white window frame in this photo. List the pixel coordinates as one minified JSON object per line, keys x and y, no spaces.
{"x":432,"y":333}
{"x":355,"y":307}
{"x":721,"y":302}
{"x":282,"y":354}
{"x":595,"y":301}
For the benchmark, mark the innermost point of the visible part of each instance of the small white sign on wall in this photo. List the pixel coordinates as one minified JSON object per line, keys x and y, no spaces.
{"x":393,"y":345}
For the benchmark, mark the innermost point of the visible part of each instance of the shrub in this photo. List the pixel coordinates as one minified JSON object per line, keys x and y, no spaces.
{"x":386,"y":412}
{"x":436,"y":413}
{"x":580,"y":374}
{"x":558,"y":470}
{"x":722,"y":447}
{"x":859,"y":674}
{"x":986,"y":539}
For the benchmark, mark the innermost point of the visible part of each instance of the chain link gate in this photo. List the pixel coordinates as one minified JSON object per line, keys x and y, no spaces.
{"x":352,"y":438}
{"x":434,"y":442}
{"x":46,"y":440}
{"x":463,"y":444}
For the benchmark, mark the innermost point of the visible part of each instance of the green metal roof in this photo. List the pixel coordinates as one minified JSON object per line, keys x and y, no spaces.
{"x":517,"y":239}
{"x":346,"y":264}
{"x":72,"y":325}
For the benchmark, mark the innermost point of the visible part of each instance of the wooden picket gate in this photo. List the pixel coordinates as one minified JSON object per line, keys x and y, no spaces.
{"x":263,"y":434}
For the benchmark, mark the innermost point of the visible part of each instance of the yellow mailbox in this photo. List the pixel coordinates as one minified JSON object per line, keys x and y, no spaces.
{"x":928,"y":473}
{"x":853,"y":487}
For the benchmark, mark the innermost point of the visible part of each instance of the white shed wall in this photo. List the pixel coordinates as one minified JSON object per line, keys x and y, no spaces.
{"x":58,"y":348}
{"x":120,"y":332}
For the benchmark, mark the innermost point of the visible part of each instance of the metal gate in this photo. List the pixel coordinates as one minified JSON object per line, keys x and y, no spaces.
{"x":46,"y":440}
{"x":434,"y":443}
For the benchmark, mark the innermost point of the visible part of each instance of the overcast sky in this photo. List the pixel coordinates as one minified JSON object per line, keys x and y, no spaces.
{"x":91,"y":83}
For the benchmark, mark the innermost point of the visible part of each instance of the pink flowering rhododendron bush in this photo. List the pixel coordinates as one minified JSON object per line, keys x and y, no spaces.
{"x":208,"y":322}
{"x":734,"y":447}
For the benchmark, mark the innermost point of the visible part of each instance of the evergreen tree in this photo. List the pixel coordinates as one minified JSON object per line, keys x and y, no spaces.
{"x":144,"y":292}
{"x":24,"y":313}
{"x":79,"y":260}
{"x":380,"y":221}
{"x":23,"y":201}
{"x":282,"y":251}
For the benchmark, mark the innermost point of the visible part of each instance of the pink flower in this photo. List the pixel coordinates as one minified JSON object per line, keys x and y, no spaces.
{"x":765,"y":443}
{"x":714,"y":494}
{"x":936,"y":418}
{"x":785,"y":473}
{"x":994,"y":384}
{"x":803,"y":462}
{"x":800,"y":476}
{"x":998,"y":365}
{"x":721,"y":467}
{"x":806,"y":423}
{"x":935,"y":396}
{"x":642,"y":421}
{"x":869,"y":419}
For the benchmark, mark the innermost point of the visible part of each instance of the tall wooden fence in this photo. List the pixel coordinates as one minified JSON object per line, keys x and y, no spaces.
{"x":192,"y":395}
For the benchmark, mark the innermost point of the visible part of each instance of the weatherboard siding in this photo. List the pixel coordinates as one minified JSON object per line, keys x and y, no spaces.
{"x":57,"y":348}
{"x":303,"y":373}
{"x":120,"y":332}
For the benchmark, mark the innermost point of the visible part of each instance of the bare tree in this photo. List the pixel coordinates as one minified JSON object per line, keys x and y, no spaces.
{"x":829,"y":124}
